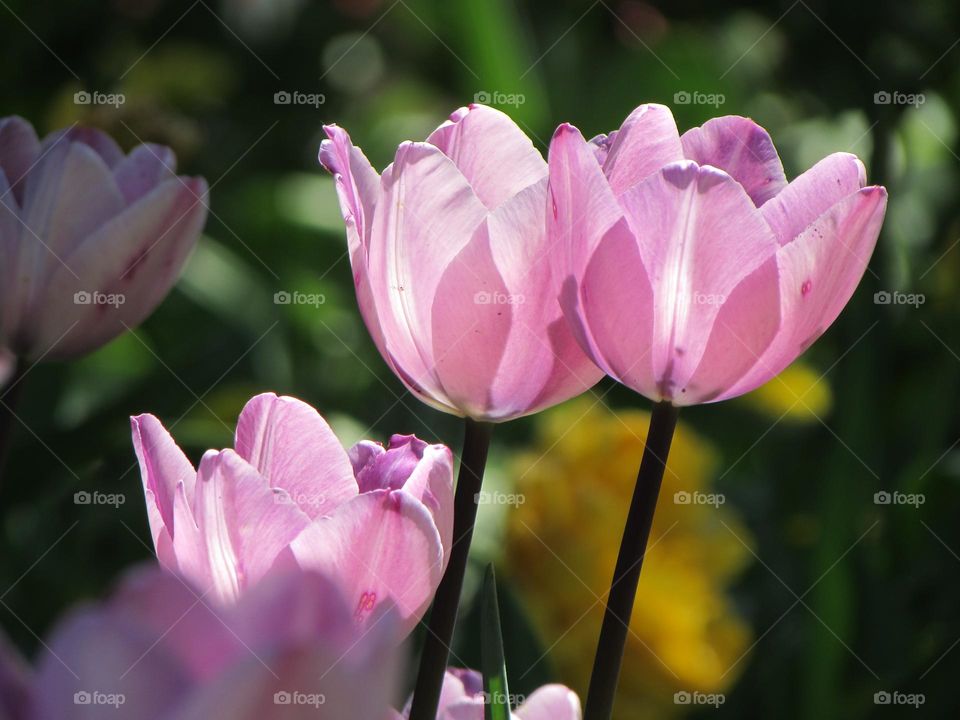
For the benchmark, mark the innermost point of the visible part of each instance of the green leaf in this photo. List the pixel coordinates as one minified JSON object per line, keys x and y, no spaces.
{"x":493,"y":664}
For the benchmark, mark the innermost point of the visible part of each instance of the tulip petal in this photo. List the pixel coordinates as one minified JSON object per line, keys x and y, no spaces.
{"x":288,"y":442}
{"x":69,"y":194}
{"x":742,"y":149}
{"x":97,"y":140}
{"x":600,"y":144}
{"x":582,"y":211}
{"x":243,"y":523}
{"x":382,"y":546}
{"x":136,"y":256}
{"x":177,"y":616}
{"x":613,"y":304}
{"x":550,"y":702}
{"x":819,"y":271}
{"x":163,"y":467}
{"x":93,"y":651}
{"x":14,"y":682}
{"x":358,"y":189}
{"x":471,"y":320}
{"x":303,"y":682}
{"x":424,"y":471}
{"x":426,"y":216}
{"x":539,"y":344}
{"x":647,"y":140}
{"x":461,"y":696}
{"x":378,"y":469}
{"x":143,"y":169}
{"x":745,"y":326}
{"x":19,"y":149}
{"x":699,"y":235}
{"x":494,"y":155}
{"x":10,"y":250}
{"x":293,"y":608}
{"x":812,"y":194}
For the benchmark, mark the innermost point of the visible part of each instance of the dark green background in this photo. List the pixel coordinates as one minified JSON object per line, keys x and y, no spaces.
{"x":390,"y":71}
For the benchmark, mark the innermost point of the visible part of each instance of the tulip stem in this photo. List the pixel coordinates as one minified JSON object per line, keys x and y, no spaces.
{"x":443,"y":616}
{"x":633,"y":546}
{"x":9,"y":397}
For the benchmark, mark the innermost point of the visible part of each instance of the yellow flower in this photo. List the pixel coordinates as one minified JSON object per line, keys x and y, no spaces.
{"x":799,"y":393}
{"x":562,"y":544}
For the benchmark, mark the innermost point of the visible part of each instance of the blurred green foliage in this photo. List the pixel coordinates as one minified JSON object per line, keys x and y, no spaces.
{"x":850,"y":598}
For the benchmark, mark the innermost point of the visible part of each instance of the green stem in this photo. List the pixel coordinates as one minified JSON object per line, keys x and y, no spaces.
{"x":623,"y":589}
{"x":443,"y":616}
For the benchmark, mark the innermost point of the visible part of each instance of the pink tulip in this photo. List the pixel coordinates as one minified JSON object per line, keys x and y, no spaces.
{"x":378,"y":521}
{"x":158,"y":650}
{"x":15,"y":682}
{"x":463,"y":698}
{"x":451,"y":264}
{"x":689,"y":269}
{"x":91,"y":240}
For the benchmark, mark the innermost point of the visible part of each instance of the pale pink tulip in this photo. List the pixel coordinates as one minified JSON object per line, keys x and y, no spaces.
{"x":687,"y":267}
{"x":378,"y":521}
{"x":159,"y":650}
{"x":15,"y":680}
{"x":451,"y":264}
{"x":91,"y":240}
{"x":463,"y":698}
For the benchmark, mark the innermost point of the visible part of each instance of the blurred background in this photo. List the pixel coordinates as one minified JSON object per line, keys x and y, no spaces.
{"x":779,"y":583}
